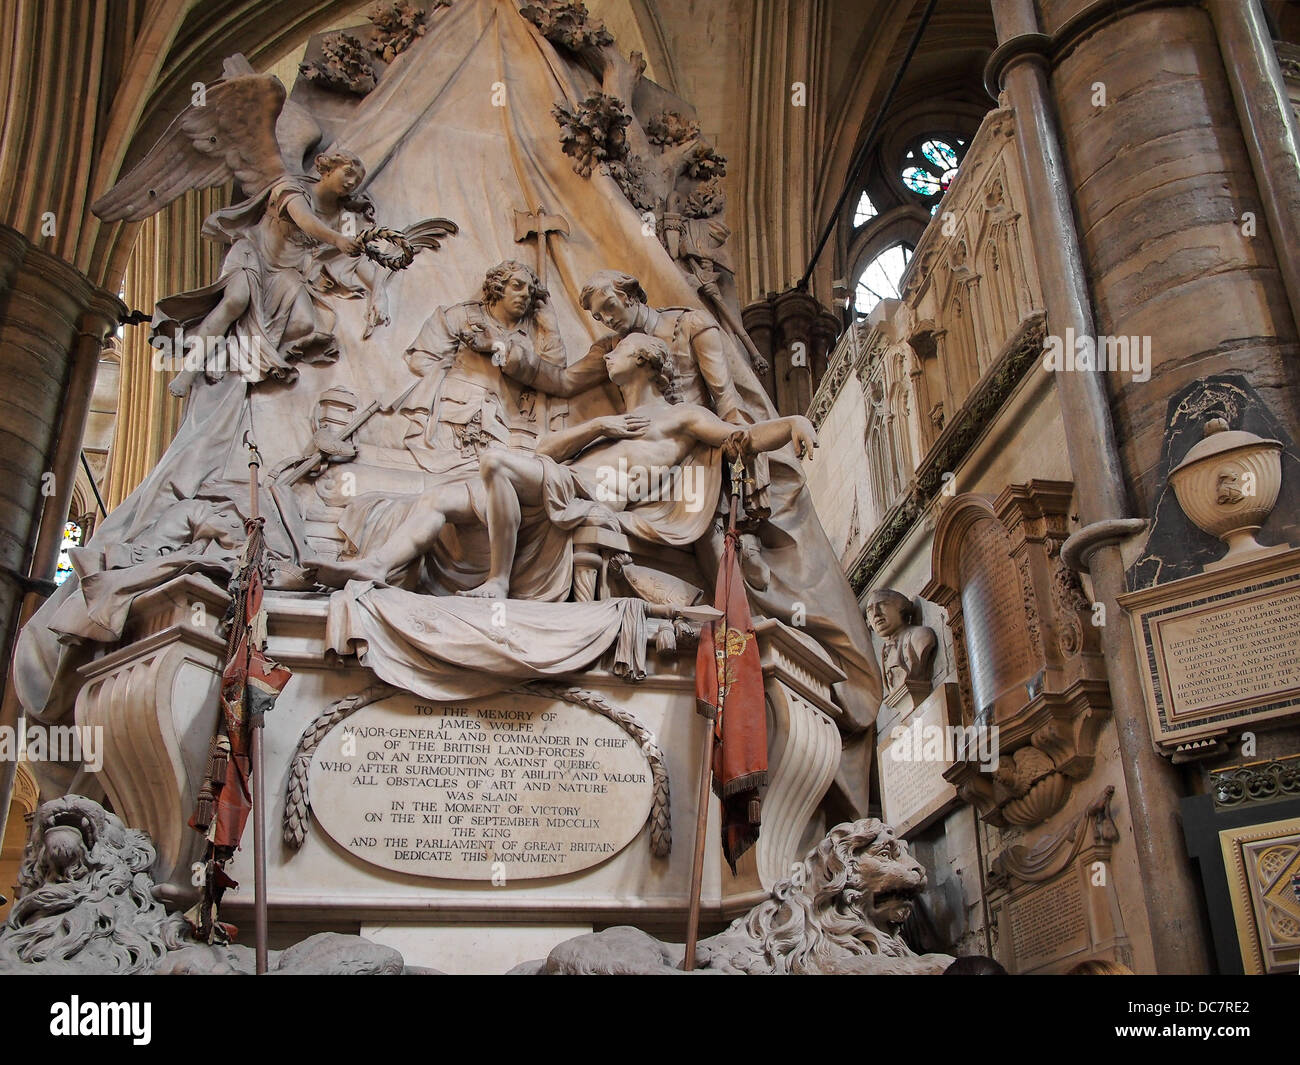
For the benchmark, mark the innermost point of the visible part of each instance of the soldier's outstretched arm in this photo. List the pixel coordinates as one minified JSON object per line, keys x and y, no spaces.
{"x":525,"y":366}
{"x":777,"y":432}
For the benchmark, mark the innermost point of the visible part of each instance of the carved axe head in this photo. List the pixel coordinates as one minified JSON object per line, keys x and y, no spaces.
{"x":538,"y":223}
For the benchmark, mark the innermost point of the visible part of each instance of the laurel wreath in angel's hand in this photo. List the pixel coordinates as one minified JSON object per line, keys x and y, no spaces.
{"x":407,"y":242}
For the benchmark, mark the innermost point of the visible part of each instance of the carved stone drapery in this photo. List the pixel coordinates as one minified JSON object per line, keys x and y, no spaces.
{"x":1029,"y":662}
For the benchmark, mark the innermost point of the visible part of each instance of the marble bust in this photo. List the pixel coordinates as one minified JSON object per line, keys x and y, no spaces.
{"x":907,"y":654}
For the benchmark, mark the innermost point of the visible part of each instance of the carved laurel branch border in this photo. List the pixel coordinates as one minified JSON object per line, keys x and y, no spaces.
{"x":660,"y":819}
{"x":297,"y":806}
{"x":297,"y":799}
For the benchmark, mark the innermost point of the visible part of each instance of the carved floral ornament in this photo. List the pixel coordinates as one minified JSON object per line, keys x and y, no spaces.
{"x":345,"y":63}
{"x":1028,"y":657}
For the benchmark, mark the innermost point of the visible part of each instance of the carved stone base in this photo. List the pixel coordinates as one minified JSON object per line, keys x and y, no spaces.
{"x":156,"y":697}
{"x":1054,"y":904}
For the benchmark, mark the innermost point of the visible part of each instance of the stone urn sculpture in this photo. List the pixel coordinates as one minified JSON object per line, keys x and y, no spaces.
{"x":1228,"y":483}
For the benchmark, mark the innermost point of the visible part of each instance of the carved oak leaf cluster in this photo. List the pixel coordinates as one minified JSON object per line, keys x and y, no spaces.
{"x":397,"y":25}
{"x":634,"y":180}
{"x":594,"y":132}
{"x":705,"y":200}
{"x":568,"y":24}
{"x":704,"y":163}
{"x":669,"y":127}
{"x":344,"y":65}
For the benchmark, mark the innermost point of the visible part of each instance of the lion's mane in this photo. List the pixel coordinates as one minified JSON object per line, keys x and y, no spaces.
{"x":86,"y":897}
{"x":819,"y":915}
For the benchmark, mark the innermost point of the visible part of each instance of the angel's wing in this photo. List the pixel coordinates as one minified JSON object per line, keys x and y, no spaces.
{"x":427,"y":232}
{"x":296,"y":130}
{"x":230,"y":135}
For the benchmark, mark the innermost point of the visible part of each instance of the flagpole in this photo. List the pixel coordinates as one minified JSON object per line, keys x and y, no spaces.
{"x":259,"y":799}
{"x":706,"y":760}
{"x":701,"y":838}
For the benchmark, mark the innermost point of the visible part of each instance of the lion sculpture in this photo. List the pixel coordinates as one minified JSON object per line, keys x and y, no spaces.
{"x":840,"y":911}
{"x":86,"y":906}
{"x":85,"y":897}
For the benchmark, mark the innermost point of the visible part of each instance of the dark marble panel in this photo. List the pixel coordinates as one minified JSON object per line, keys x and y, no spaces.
{"x":1177,"y":548}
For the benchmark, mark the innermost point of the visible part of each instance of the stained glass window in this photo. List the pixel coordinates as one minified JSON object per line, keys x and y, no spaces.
{"x":930,"y":165}
{"x":865,"y":211}
{"x":881,"y":277}
{"x":71,"y":538}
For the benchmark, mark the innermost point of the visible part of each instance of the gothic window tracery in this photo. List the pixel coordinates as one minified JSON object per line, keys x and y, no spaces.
{"x":865,"y":211}
{"x":73,"y":536}
{"x":929,"y":165}
{"x":881,"y":278}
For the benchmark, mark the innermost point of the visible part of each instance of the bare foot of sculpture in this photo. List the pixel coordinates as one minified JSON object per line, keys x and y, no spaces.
{"x":493,"y":589}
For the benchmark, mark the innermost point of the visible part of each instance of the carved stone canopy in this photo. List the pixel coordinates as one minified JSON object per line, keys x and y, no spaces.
{"x":1028,"y":655}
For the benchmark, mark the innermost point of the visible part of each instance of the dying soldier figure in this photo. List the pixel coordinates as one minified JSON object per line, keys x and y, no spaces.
{"x":698,"y":351}
{"x":601,"y":456}
{"x":594,"y":485}
{"x":459,"y":406}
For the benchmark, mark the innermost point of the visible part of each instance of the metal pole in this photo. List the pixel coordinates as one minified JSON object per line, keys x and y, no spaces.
{"x":701,"y":838}
{"x":1268,"y":126}
{"x":868,"y":142}
{"x":706,"y":762}
{"x":257,"y":774}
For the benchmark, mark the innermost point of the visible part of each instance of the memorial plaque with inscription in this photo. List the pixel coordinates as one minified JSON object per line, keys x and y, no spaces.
{"x":504,"y":789}
{"x":1236,"y":652}
{"x":912,"y":787}
{"x":993,"y":608}
{"x":1222,"y":648}
{"x":1048,"y":923}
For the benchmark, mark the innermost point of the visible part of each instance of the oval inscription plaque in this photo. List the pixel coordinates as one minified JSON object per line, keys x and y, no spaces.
{"x":494,"y":789}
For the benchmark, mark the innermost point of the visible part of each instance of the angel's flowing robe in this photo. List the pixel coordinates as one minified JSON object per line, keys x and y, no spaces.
{"x":289,"y":275}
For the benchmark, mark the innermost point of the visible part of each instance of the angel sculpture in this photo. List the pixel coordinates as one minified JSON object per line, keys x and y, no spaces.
{"x":291,"y":240}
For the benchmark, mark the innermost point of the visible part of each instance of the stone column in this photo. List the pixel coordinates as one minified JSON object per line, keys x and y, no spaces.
{"x":795,"y":334}
{"x":784,"y":137}
{"x":53,"y":325}
{"x":1161,"y":181}
{"x":1268,"y":125}
{"x":1109,"y":153}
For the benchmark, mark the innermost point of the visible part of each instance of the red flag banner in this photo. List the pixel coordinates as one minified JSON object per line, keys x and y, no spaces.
{"x":729,"y":687}
{"x":250,"y":684}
